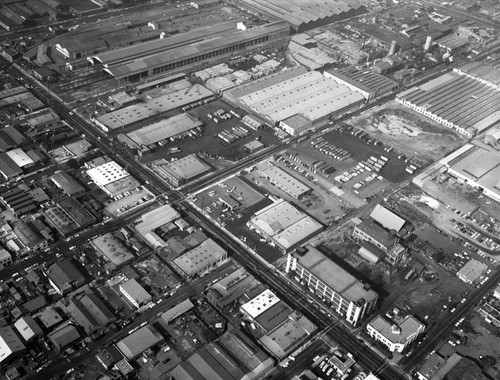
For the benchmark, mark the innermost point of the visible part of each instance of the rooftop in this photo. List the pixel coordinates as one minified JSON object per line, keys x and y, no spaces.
{"x":378,"y":233}
{"x":397,"y":332}
{"x":260,"y":303}
{"x":186,"y":168}
{"x":335,"y":277}
{"x":472,"y":270}
{"x":139,"y":341}
{"x":135,"y":291}
{"x":107,"y":173}
{"x":387,"y":219}
{"x":113,"y":249}
{"x":285,"y":180}
{"x":199,"y":257}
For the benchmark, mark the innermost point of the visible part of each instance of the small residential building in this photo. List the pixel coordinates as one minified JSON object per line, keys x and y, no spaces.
{"x":135,"y":293}
{"x":10,"y":344}
{"x":397,"y":334}
{"x":28,"y":328}
{"x":199,"y":260}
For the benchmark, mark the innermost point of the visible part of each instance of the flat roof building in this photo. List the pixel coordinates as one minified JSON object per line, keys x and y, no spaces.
{"x":64,"y":336}
{"x":135,"y":293}
{"x":162,"y":130}
{"x":112,"y":249}
{"x":260,"y":303}
{"x":369,"y":231}
{"x":177,"y":311}
{"x":396,"y":335}
{"x":286,"y":182}
{"x":139,"y":341}
{"x":478,"y":167}
{"x":284,"y":225}
{"x":28,"y":328}
{"x":183,"y":170}
{"x":199,"y":260}
{"x":348,"y":296}
{"x":5,"y":258}
{"x":112,"y":179}
{"x":472,"y":271}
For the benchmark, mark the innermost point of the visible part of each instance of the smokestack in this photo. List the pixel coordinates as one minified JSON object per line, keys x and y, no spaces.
{"x":428,"y":43}
{"x":392,"y":49}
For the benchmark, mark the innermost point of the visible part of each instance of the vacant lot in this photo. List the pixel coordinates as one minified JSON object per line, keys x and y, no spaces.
{"x":408,"y":132}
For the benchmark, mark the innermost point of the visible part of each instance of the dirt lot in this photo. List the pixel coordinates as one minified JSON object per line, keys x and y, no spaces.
{"x":408,"y":131}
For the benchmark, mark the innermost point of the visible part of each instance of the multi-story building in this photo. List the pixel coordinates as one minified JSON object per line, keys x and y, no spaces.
{"x":348,"y":296}
{"x":135,"y":293}
{"x":396,"y":335}
{"x":375,"y":234}
{"x":5,"y":258}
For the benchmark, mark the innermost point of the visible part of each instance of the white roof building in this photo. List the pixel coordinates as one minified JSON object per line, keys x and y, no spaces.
{"x":139,"y":341}
{"x":135,"y":293}
{"x":9,"y":343}
{"x":107,"y":173}
{"x":28,"y":328}
{"x":472,"y":271}
{"x":396,"y":336}
{"x":260,"y":303}
{"x":20,"y":158}
{"x":284,"y":181}
{"x":387,"y":218}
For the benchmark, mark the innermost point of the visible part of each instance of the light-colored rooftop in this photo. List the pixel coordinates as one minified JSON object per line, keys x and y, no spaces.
{"x":139,"y":341}
{"x":387,"y":218}
{"x":276,"y":217}
{"x":113,"y":249}
{"x":397,"y":333}
{"x":199,"y":257}
{"x":335,"y":277}
{"x":107,"y":173}
{"x":472,"y":270}
{"x":164,"y":129}
{"x":187,"y":167}
{"x":136,"y":291}
{"x":298,"y":232}
{"x":20,"y":157}
{"x":281,"y":177}
{"x":156,"y":218}
{"x":260,"y":303}
{"x":177,"y":311}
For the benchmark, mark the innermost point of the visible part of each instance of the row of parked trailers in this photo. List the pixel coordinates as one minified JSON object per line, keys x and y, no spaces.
{"x":318,"y":166}
{"x":330,"y":149}
{"x":374,"y":164}
{"x":230,"y":136}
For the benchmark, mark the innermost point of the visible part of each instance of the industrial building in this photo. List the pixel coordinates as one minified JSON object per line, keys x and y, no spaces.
{"x":296,"y":92}
{"x":199,"y":260}
{"x":5,"y":258}
{"x":112,"y":179}
{"x":135,"y":293}
{"x":284,"y":225}
{"x":10,"y":344}
{"x":183,"y":170}
{"x":340,"y":290}
{"x":67,"y":184}
{"x":371,"y":232}
{"x":151,"y":220}
{"x":389,"y":220}
{"x":371,"y":85}
{"x":16,"y":200}
{"x":27,"y":327}
{"x":181,"y":96}
{"x":64,"y":276}
{"x":64,"y":336}
{"x":305,"y":15}
{"x":472,"y":271}
{"x":188,"y":50}
{"x":398,"y":334}
{"x":177,"y":311}
{"x":112,"y":249}
{"x":464,"y":102}
{"x":284,"y":181}
{"x":163,"y":131}
{"x":478,"y":167}
{"x":233,"y":356}
{"x":136,"y":343}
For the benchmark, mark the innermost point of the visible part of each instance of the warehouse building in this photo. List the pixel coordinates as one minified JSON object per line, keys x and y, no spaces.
{"x":163,"y":131}
{"x":305,"y":15}
{"x":28,"y":328}
{"x":64,"y":336}
{"x":199,"y":260}
{"x":64,"y":277}
{"x":311,"y":95}
{"x":67,"y":184}
{"x":154,"y":219}
{"x":10,"y":344}
{"x":389,"y":220}
{"x":233,"y":356}
{"x":112,"y":179}
{"x":348,"y":296}
{"x":17,"y":200}
{"x":284,"y":181}
{"x":112,"y":249}
{"x":189,"y":50}
{"x":462,"y":102}
{"x":138,"y":342}
{"x":371,"y":232}
{"x":5,"y":258}
{"x":181,"y":96}
{"x":366,"y":82}
{"x":183,"y":170}
{"x":135,"y":293}
{"x":478,"y":167}
{"x":284,"y":225}
{"x":397,"y":334}
{"x":472,"y":271}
